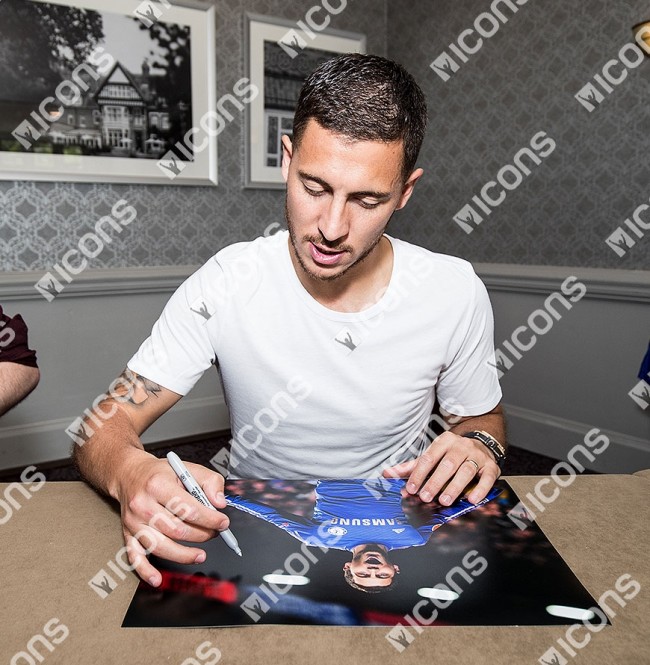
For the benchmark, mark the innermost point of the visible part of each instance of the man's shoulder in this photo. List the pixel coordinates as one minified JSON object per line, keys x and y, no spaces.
{"x":243,"y":258}
{"x":236,"y":270}
{"x":262,"y":246}
{"x":426,"y":263}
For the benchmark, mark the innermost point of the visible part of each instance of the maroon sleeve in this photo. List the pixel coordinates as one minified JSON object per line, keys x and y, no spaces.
{"x":13,"y":341}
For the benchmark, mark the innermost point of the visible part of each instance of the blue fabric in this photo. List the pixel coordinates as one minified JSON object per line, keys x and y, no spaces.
{"x":354,"y":512}
{"x":644,"y":372}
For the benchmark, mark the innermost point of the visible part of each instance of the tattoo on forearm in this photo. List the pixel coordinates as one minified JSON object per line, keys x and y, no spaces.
{"x":149,"y":386}
{"x":134,"y":388}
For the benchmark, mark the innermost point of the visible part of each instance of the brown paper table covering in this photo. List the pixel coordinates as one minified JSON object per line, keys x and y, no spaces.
{"x":65,"y":533}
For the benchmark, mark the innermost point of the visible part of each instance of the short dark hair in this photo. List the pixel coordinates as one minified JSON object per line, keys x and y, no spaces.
{"x":365,"y":98}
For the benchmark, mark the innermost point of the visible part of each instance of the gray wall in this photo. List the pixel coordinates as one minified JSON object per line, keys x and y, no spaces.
{"x":577,"y":376}
{"x":523,"y":80}
{"x":574,"y":379}
{"x":175,"y":225}
{"x":83,"y":340}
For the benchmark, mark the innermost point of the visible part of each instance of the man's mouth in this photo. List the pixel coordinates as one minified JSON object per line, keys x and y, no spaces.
{"x":325,"y":256}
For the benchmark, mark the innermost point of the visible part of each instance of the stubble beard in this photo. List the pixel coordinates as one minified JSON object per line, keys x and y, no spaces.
{"x":374,"y":547}
{"x":322,"y":241}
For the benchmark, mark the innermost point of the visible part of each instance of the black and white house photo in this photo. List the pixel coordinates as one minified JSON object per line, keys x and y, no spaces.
{"x":100,"y":83}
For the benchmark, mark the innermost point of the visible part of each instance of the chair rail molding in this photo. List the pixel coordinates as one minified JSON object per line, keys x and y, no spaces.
{"x":601,"y":283}
{"x":604,"y":283}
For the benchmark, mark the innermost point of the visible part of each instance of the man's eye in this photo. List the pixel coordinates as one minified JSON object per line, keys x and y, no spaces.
{"x":313,"y":192}
{"x":367,"y":205}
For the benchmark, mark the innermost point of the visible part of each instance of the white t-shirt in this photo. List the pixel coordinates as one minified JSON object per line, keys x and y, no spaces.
{"x":323,"y":394}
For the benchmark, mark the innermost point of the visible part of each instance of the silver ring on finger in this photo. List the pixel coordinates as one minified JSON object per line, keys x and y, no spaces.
{"x":474,"y":463}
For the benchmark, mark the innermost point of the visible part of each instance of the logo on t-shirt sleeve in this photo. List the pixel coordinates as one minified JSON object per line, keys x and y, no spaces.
{"x":201,"y":309}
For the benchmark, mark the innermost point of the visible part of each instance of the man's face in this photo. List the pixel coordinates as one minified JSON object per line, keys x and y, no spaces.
{"x":370,"y":568}
{"x":340,"y":197}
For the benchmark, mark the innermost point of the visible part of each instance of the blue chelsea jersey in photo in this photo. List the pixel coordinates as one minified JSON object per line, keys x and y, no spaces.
{"x":353,"y":512}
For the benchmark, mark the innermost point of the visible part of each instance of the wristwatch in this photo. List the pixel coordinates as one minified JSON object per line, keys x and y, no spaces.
{"x":491,"y":443}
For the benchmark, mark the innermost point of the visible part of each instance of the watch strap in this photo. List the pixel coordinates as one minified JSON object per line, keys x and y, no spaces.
{"x":496,"y":448}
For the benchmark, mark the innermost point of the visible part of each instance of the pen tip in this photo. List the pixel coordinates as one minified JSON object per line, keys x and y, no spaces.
{"x":239,"y":552}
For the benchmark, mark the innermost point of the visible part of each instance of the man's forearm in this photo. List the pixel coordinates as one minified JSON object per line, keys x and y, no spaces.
{"x":111,"y":457}
{"x":101,"y":460}
{"x":493,"y":424}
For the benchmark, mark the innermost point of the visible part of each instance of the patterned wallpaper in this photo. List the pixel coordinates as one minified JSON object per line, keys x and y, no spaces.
{"x":175,"y":225}
{"x":522,"y":81}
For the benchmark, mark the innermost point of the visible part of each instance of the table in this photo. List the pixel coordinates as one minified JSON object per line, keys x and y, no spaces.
{"x":65,"y":533}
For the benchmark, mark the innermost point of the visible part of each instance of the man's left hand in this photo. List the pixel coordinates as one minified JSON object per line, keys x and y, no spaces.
{"x":446,"y":464}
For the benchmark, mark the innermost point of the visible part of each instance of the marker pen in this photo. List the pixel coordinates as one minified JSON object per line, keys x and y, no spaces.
{"x":195,"y":490}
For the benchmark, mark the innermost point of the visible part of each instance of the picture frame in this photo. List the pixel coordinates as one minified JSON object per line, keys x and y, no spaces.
{"x":129,"y":103}
{"x":279,"y":56}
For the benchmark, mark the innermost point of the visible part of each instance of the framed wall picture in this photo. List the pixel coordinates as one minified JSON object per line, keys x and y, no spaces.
{"x":114,"y":91}
{"x":280,"y":54}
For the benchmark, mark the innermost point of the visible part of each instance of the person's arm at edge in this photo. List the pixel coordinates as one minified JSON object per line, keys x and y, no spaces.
{"x":16,"y":382}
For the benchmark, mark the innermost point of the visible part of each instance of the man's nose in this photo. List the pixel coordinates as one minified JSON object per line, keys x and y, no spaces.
{"x":334,"y":223}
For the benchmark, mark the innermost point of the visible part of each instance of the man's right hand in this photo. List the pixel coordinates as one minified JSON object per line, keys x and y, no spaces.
{"x":157,"y":511}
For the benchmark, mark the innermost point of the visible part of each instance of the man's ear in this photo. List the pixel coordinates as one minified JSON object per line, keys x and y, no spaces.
{"x":407,"y":188}
{"x":287,"y":154}
{"x":346,"y":565}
